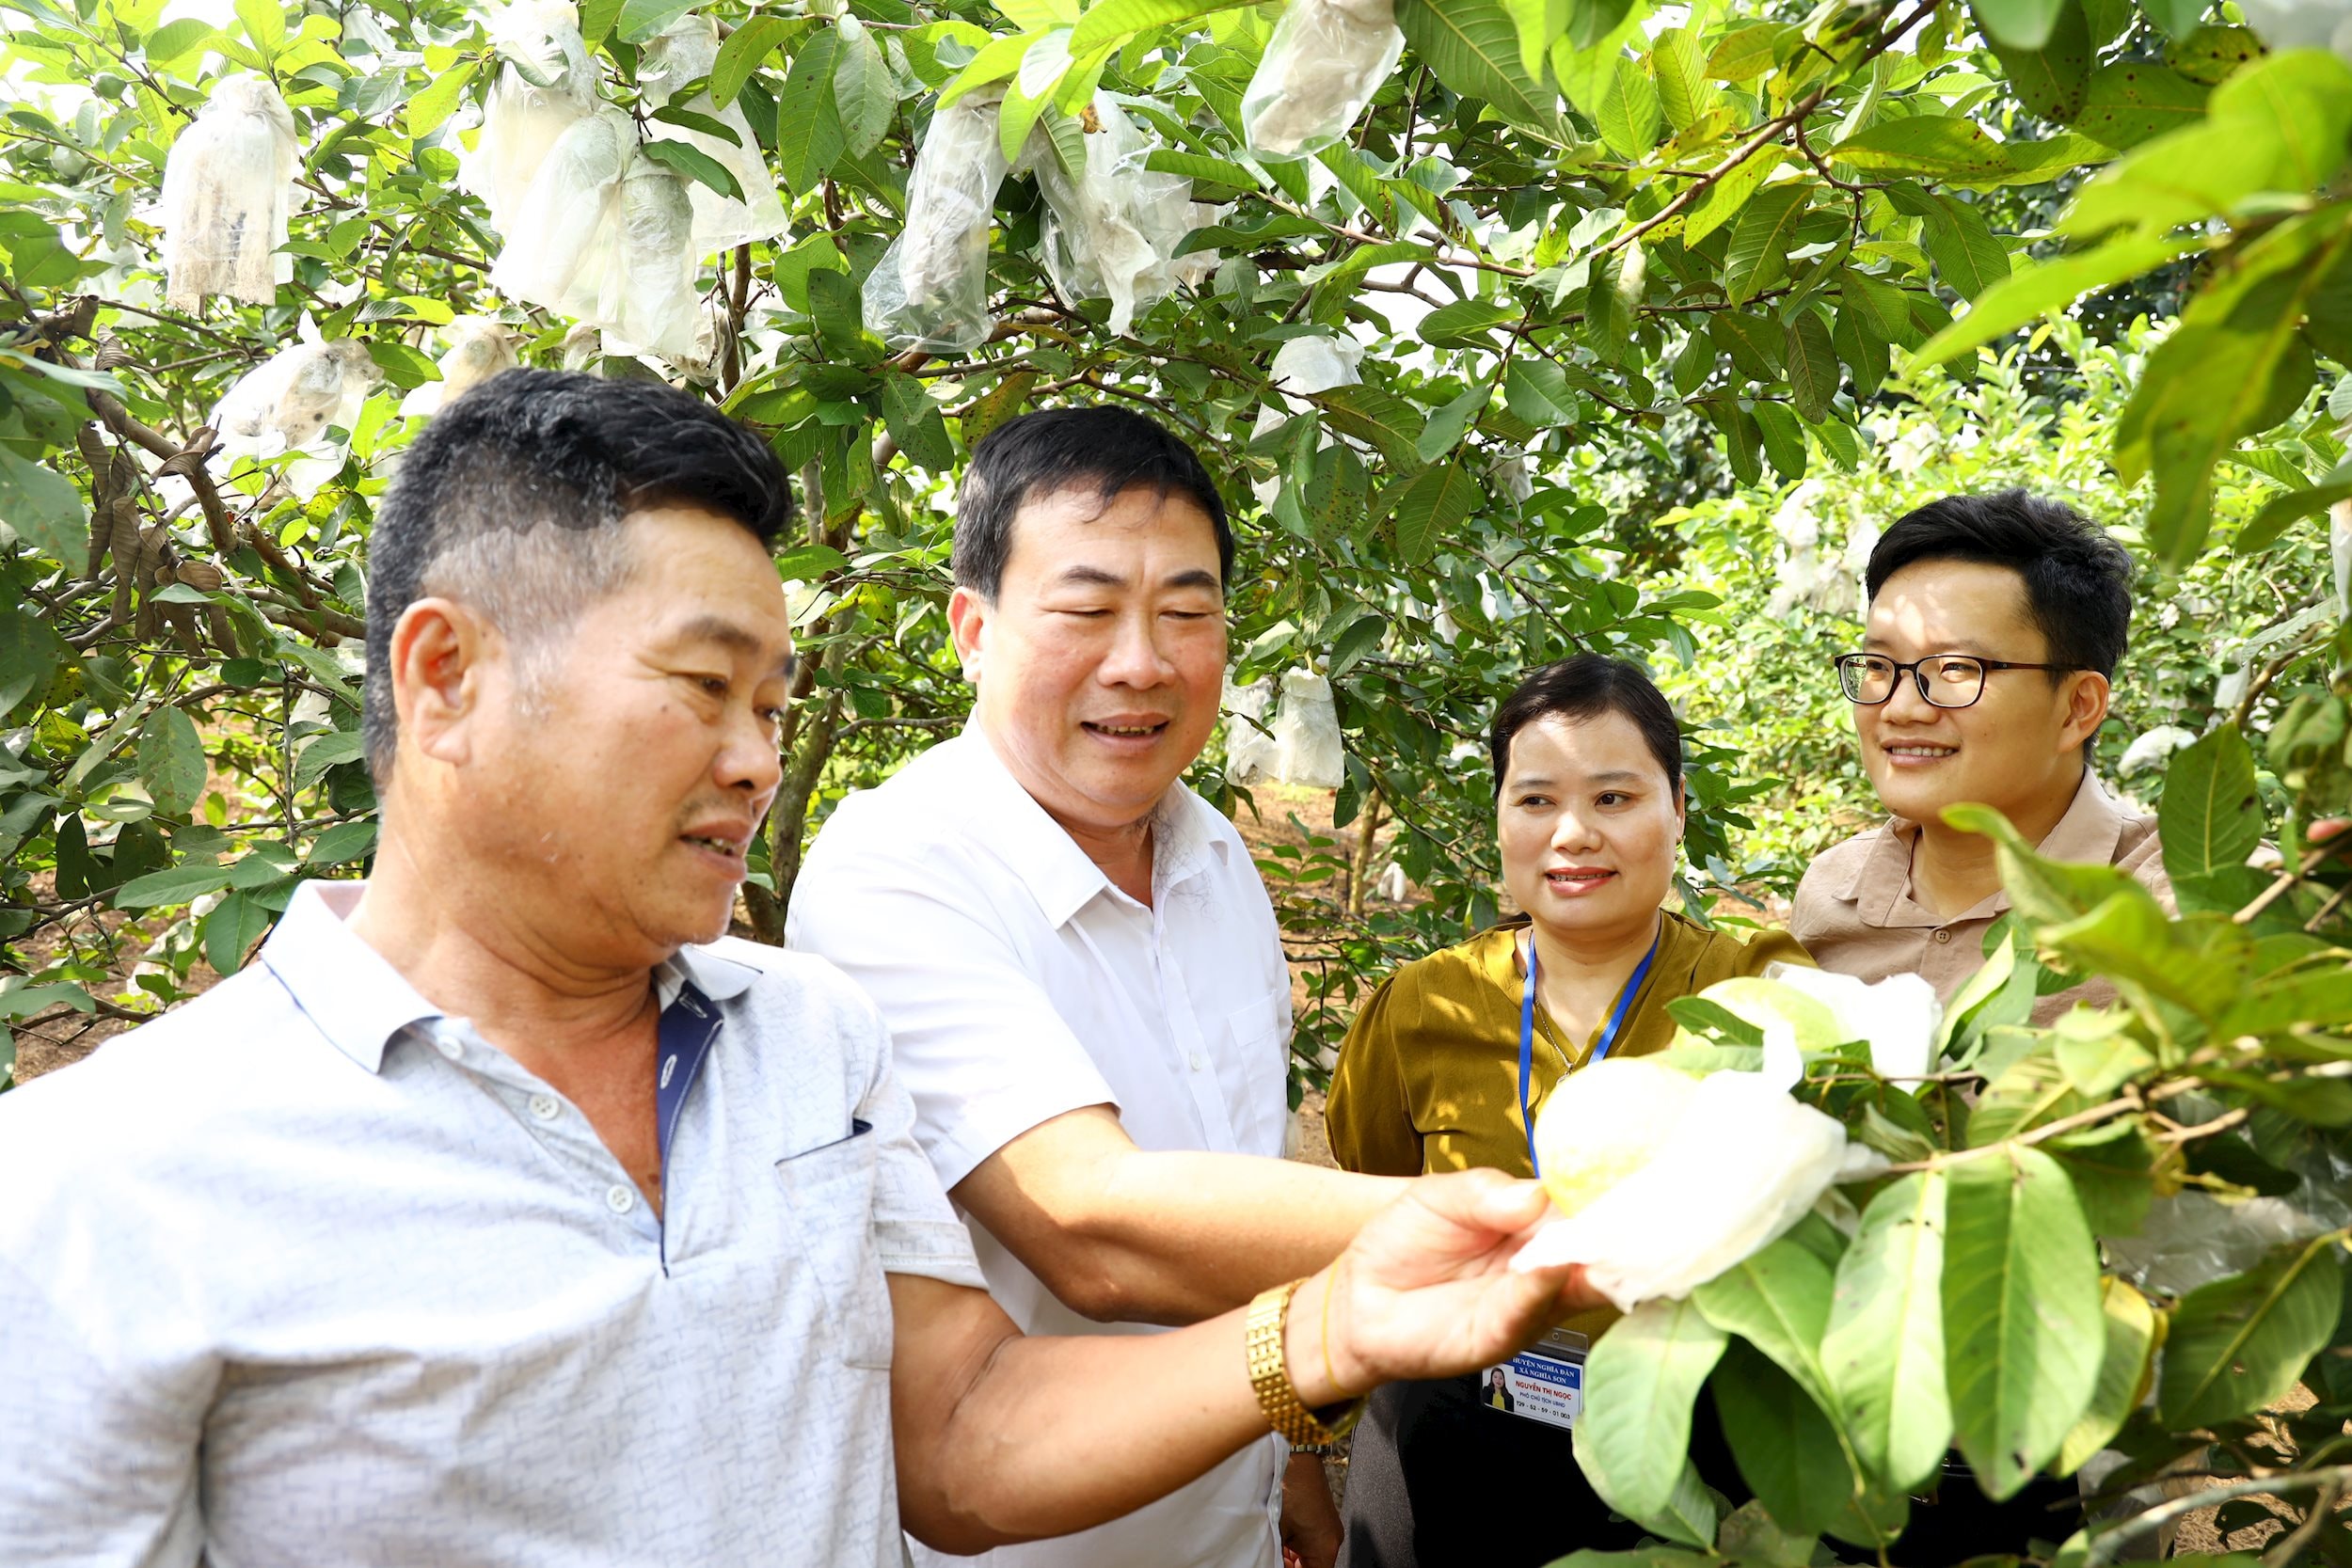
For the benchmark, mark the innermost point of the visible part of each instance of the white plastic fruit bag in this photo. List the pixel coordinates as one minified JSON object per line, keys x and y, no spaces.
{"x":290,"y":402}
{"x":659,"y":312}
{"x":1805,"y":1011}
{"x":680,"y":55}
{"x":479,"y":347}
{"x":1251,"y":751}
{"x":564,"y":250}
{"x":930,"y":290}
{"x":1103,"y":211}
{"x":547,"y":85}
{"x":1322,"y":66}
{"x":1301,"y":366}
{"x":228,"y":194}
{"x":1664,"y":1180}
{"x":1308,"y":750}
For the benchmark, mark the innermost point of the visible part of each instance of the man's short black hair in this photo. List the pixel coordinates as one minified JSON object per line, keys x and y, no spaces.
{"x":1585,"y":687}
{"x":1109,"y":449}
{"x":513,"y":497}
{"x":2079,"y":580}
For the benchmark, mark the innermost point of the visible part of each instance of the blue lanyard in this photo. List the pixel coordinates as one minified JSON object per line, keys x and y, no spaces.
{"x":1607,"y":1035}
{"x":688,"y":1025}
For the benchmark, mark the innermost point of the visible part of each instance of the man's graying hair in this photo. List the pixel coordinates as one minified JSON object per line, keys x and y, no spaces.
{"x":511,"y":503}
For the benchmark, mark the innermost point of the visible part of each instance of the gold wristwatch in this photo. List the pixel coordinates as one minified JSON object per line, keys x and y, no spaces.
{"x":1270,"y":1378}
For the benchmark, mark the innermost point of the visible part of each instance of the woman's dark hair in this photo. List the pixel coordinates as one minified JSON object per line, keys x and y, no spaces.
{"x":2078,"y":581}
{"x":1109,"y":449}
{"x":1586,"y":687}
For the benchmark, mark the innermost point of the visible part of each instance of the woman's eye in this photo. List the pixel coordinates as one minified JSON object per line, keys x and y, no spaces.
{"x":1609,"y":798}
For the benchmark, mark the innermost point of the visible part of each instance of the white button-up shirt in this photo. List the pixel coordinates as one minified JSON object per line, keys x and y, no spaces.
{"x":307,"y":1272}
{"x":1018,"y":982}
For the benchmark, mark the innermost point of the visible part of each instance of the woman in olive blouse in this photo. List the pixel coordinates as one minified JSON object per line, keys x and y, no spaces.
{"x":1589,"y":813}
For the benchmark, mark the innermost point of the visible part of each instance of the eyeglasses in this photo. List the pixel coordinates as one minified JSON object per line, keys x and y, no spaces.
{"x":1945,"y":680}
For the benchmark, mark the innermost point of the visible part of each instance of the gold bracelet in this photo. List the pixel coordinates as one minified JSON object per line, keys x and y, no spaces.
{"x":1270,"y":1379}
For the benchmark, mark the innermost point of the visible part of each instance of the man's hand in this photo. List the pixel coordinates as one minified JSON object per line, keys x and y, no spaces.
{"x":1426,"y":1289}
{"x":1310,"y":1522}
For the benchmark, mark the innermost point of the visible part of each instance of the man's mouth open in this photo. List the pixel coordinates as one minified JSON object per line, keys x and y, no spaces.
{"x":1134,"y":729}
{"x":1918,"y":753}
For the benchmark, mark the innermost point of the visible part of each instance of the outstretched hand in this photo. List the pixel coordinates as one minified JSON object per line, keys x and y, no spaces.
{"x":1426,"y":1289}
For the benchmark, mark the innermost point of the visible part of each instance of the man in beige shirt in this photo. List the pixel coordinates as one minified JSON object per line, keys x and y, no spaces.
{"x":1994,"y":626}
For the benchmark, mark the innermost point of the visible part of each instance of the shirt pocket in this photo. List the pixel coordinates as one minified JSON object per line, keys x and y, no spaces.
{"x":1258,"y":1033}
{"x":828,"y":1203}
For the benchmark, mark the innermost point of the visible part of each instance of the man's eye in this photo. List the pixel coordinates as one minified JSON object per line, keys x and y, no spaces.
{"x":715,"y":685}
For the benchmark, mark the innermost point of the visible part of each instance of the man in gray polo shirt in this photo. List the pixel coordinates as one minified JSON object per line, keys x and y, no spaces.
{"x":498,"y":1214}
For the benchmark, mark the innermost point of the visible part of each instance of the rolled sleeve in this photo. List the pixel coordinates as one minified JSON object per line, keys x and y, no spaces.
{"x":976,"y":1042}
{"x":915,"y":1227}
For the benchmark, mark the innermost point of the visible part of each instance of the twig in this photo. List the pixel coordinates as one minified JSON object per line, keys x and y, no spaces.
{"x":2290,"y":1544}
{"x":2287,"y":878}
{"x":2105,"y":1548}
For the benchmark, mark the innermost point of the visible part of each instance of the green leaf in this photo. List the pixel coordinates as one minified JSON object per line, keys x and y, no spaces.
{"x":1683,"y":91}
{"x":694,"y":164}
{"x":1539,"y":22}
{"x":236,"y":922}
{"x":1379,"y":417}
{"x":2239,"y":1344}
{"x":425,"y":114}
{"x":1465,"y":323}
{"x":1473,"y":48}
{"x":264,"y":23}
{"x":1431,"y":506}
{"x":1778,"y":1300}
{"x":2176,"y":17}
{"x":1813,"y":376}
{"x":1958,"y":152}
{"x":1641,"y":1379}
{"x":342,"y":843}
{"x":1443,"y":432}
{"x":171,"y":762}
{"x":2211,"y":817}
{"x":2282,"y":512}
{"x":2123,"y":1368}
{"x":1726,"y":195}
{"x":180,"y":885}
{"x":641,"y":18}
{"x":864,"y":95}
{"x":1629,"y":115}
{"x":1884,"y":1349}
{"x":915,"y":422}
{"x":331,"y":749}
{"x":670,"y":114}
{"x":43,"y":508}
{"x":2053,"y":285}
{"x":809,"y":138}
{"x":1537,"y":391}
{"x":2051,"y":80}
{"x":2132,"y":101}
{"x":1966,"y":255}
{"x":1762,"y":239}
{"x":29,"y":652}
{"x":1784,"y":438}
{"x":1219,"y":171}
{"x":2022,"y":1329}
{"x":744,"y":50}
{"x":175,"y":38}
{"x":2277,"y":126}
{"x":2017,"y":23}
{"x":1786,"y":1448}
{"x":1111,"y":23}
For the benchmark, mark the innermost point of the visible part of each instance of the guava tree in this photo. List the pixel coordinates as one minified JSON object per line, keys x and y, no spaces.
{"x":1559,"y":228}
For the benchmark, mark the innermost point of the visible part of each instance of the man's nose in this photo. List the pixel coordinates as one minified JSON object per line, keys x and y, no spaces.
{"x":1906,"y":704}
{"x":749,"y":760}
{"x":1135,"y":657}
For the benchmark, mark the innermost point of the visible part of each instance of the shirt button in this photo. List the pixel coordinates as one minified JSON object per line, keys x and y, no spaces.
{"x":1942,"y":935}
{"x":1199,"y":1062}
{"x":545,"y":1107}
{"x":450,"y":1046}
{"x":619,"y":1199}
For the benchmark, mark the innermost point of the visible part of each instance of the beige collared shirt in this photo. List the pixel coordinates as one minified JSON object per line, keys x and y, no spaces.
{"x":1857,"y":914}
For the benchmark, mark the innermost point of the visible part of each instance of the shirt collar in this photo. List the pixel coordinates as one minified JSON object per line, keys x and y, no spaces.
{"x":1880,"y":884}
{"x":1041,"y":853}
{"x":359,"y":1002}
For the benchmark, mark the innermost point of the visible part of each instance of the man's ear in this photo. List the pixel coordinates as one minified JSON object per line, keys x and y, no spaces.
{"x":2087,"y":697}
{"x":437,"y":676}
{"x":968,"y":612}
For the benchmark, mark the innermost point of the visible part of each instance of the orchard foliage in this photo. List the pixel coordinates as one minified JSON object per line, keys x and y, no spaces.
{"x":1605,"y":259}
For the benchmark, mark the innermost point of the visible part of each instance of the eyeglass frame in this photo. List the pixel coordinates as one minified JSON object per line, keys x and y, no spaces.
{"x":1919,"y":680}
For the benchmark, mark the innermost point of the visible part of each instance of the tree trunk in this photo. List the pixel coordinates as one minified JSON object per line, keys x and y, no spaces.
{"x":1360,"y":860}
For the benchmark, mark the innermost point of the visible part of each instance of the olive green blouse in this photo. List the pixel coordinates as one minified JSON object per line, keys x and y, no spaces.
{"x":1428,"y":1076}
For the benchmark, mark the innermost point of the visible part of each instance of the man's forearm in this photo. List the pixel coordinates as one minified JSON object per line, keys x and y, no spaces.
{"x":1125,"y":1235}
{"x":1059,"y":1435}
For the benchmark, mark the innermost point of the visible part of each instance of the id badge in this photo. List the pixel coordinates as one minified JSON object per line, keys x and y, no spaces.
{"x":1543,"y":1382}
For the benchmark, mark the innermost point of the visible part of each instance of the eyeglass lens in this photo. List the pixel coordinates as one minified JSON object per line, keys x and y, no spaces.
{"x":1952,"y":681}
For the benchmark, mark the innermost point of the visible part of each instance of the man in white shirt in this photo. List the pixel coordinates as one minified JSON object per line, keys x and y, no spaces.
{"x":1079,"y":967}
{"x":500,"y":1216}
